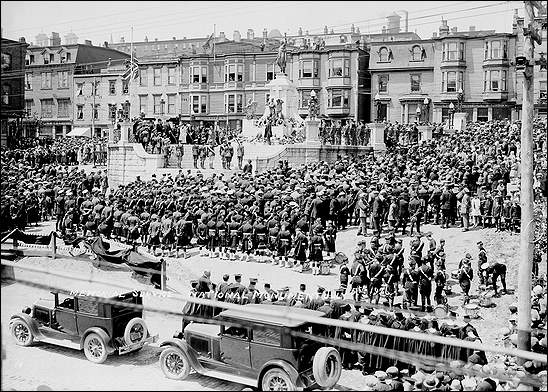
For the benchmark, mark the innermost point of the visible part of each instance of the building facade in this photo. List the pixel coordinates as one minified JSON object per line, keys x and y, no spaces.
{"x":13,"y":90}
{"x":49,"y":83}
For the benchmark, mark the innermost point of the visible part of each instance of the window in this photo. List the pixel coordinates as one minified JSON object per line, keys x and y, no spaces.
{"x":63,"y":79}
{"x":416,"y":53}
{"x":87,"y":306}
{"x":171,"y":103}
{"x":46,"y":59}
{"x":68,"y":57}
{"x":309,"y":69}
{"x":95,"y":87}
{"x":96,"y":112}
{"x":29,"y":106}
{"x":494,"y":80}
{"x":451,"y":82}
{"x":143,"y":104}
{"x":157,"y":104}
{"x":204,"y":75}
{"x":195,"y":103}
{"x":270,"y":336}
{"x":383,"y":55}
{"x":28,"y":81}
{"x":157,"y":76}
{"x":6,"y":61}
{"x":80,"y":112}
{"x":304,"y":96}
{"x":234,"y":73}
{"x":415,"y":82}
{"x":112,"y":87}
{"x":236,"y":332}
{"x":203,"y":104}
{"x":46,"y":80}
{"x":125,"y":87}
{"x":233,"y":103}
{"x":111,"y":111}
{"x":31,"y":59}
{"x":496,"y":50}
{"x":6,"y":92}
{"x":383,"y":83}
{"x":143,"y":77}
{"x":339,"y":67}
{"x":339,"y":98}
{"x":63,"y":106}
{"x":195,"y":76}
{"x":47,"y":108}
{"x":171,"y":75}
{"x":240,"y":76}
{"x":453,"y":51}
{"x":269,"y":72}
{"x":51,"y":57}
{"x":542,"y":90}
{"x":461,"y":51}
{"x":483,"y":114}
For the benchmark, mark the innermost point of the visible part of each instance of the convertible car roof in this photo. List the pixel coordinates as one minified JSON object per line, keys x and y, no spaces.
{"x":277,"y":314}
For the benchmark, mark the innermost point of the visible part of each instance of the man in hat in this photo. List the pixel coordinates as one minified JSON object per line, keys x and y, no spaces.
{"x":445,"y":205}
{"x":465,"y":207}
{"x":482,"y":259}
{"x":493,"y":271}
{"x":465,"y":275}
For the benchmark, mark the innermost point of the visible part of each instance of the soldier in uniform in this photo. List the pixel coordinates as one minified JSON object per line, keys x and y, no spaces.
{"x":221,"y":229}
{"x":133,"y":229}
{"x":234,"y":235}
{"x":223,"y":288}
{"x":440,"y":280}
{"x":316,"y":250}
{"x":195,"y":154}
{"x":482,"y":259}
{"x":247,"y":239}
{"x":466,"y":274}
{"x":268,"y":295}
{"x":425,"y":285}
{"x":283,"y":243}
{"x":259,"y":238}
{"x":492,"y":272}
{"x":154,"y":234}
{"x":212,"y":236}
{"x":202,"y":232}
{"x":167,"y":233}
{"x":410,"y":281}
{"x":300,"y":247}
{"x":330,"y":236}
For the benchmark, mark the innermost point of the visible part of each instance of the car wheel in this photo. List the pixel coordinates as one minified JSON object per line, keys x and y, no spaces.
{"x":136,"y":331}
{"x":95,"y":348}
{"x":277,"y":379}
{"x":174,"y":363}
{"x":21,"y":332}
{"x":327,"y":367}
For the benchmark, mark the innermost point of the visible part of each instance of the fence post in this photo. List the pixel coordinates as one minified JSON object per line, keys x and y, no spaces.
{"x":54,"y":245}
{"x":164,"y":275}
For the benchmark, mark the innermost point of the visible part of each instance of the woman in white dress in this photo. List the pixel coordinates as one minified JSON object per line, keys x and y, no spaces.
{"x":475,"y":211}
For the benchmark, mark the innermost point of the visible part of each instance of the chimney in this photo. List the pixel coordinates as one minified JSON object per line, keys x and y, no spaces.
{"x":22,"y":40}
{"x":88,"y":42}
{"x":357,"y":30}
{"x":444,"y":28}
{"x":155,"y":39}
{"x":146,"y":38}
{"x":221,"y":35}
{"x":325,"y":31}
{"x":250,"y":34}
{"x":454,"y":29}
{"x":55,"y":39}
{"x":265,"y":33}
{"x":332,"y":31}
{"x":472,"y":28}
{"x":300,"y":32}
{"x":352,"y":28}
{"x":173,"y":38}
{"x":122,"y":40}
{"x":236,"y":37}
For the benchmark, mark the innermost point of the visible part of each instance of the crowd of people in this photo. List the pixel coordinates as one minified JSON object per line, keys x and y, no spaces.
{"x":290,"y":216}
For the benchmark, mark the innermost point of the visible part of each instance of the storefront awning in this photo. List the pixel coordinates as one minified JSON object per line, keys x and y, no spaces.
{"x":80,"y":132}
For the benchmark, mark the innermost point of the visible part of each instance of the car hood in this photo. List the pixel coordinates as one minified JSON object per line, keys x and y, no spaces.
{"x":45,"y":303}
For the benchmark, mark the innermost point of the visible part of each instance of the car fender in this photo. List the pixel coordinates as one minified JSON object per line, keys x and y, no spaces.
{"x":289,"y":369}
{"x":184,"y":347}
{"x":33,"y":324}
{"x":102,"y":333}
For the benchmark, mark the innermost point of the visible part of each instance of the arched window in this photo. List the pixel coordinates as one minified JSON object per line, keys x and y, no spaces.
{"x":416,"y":53}
{"x":6,"y":91}
{"x":383,"y":54}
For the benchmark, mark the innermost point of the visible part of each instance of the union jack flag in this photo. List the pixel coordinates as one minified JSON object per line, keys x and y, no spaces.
{"x":132,"y":69}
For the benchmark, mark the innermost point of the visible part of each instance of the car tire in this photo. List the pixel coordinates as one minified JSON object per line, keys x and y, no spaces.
{"x":95,"y":348}
{"x":174,"y":363}
{"x":277,"y":379}
{"x":21,"y":332}
{"x":135,"y":326}
{"x":327,"y":367}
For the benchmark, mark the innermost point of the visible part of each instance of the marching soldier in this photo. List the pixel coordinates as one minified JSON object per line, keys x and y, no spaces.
{"x":234,"y":235}
{"x":283,"y":243}
{"x":316,"y":250}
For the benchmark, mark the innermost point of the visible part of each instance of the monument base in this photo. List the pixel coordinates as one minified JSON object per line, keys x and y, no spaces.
{"x":459,"y":121}
{"x":425,"y":133}
{"x":377,"y":136}
{"x":312,"y":132}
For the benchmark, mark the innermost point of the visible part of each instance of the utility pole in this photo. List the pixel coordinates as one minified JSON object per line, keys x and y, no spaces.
{"x":531,"y":34}
{"x":94,"y":92}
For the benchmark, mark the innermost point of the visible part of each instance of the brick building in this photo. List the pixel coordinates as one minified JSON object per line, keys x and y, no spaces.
{"x":13,"y":91}
{"x":49,"y":84}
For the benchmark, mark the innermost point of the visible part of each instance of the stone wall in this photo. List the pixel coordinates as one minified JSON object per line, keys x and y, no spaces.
{"x":126,"y":161}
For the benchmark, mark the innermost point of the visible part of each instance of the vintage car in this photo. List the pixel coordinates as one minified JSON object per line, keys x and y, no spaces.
{"x":83,"y":323}
{"x":255,"y":350}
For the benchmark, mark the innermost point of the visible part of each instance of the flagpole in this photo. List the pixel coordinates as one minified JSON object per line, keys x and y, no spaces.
{"x":131,"y":71}
{"x":214,"y":34}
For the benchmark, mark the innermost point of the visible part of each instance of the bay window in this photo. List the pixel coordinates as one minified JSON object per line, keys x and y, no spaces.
{"x":304,"y":96}
{"x":195,"y":103}
{"x":494,"y":80}
{"x":157,"y":76}
{"x":157,"y":104}
{"x":308,"y":69}
{"x":453,"y":51}
{"x":495,"y":50}
{"x":339,"y":67}
{"x":203,"y":104}
{"x":143,"y":104}
{"x":339,"y":98}
{"x":171,"y":103}
{"x":452,"y":81}
{"x":171,"y":75}
{"x":47,"y":108}
{"x":233,"y":103}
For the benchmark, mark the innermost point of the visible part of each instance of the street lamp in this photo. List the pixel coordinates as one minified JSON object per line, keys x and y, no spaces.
{"x":378,"y":106}
{"x":418,"y":113}
{"x":162,"y":102}
{"x":460,"y":99}
{"x":426,"y":108}
{"x":451,"y":114}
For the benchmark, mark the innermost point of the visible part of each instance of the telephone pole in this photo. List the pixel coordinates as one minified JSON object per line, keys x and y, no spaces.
{"x":531,"y":34}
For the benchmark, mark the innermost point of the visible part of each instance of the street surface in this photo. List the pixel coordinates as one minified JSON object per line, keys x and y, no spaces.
{"x":32,"y":368}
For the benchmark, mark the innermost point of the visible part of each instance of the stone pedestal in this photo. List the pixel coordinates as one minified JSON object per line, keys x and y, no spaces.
{"x":459,"y":121}
{"x":250,"y":130}
{"x":283,"y":88}
{"x":425,"y":133}
{"x":312,"y":132}
{"x":124,"y":135}
{"x":377,"y":136}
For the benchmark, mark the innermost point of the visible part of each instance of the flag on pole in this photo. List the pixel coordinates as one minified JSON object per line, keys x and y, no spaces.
{"x":132,"y":69}
{"x":207,"y":45}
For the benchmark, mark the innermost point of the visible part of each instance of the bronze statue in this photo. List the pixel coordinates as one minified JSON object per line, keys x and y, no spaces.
{"x":281,"y":60}
{"x":313,"y":106}
{"x":250,"y":109}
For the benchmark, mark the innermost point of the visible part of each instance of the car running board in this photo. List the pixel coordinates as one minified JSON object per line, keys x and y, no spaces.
{"x":228,"y":377}
{"x":61,"y":342}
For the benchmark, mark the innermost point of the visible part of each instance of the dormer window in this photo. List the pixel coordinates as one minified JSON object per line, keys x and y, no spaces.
{"x":383,"y":55}
{"x":416,"y":53}
{"x":51,"y":57}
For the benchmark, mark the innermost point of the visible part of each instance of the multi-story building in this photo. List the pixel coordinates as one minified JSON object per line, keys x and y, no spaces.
{"x":13,"y":91}
{"x":421,"y":78}
{"x":100,"y":99}
{"x":49,"y":85}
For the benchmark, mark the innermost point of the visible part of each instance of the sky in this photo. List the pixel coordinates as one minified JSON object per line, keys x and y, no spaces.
{"x":98,"y":21}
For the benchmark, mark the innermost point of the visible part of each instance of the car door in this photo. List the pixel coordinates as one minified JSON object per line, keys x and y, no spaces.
{"x":65,"y":315}
{"x":235,"y":348}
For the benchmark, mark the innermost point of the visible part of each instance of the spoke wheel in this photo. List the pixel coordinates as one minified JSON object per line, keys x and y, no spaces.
{"x":277,"y":379}
{"x":95,"y":348}
{"x":21,"y":332}
{"x":174,"y":363}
